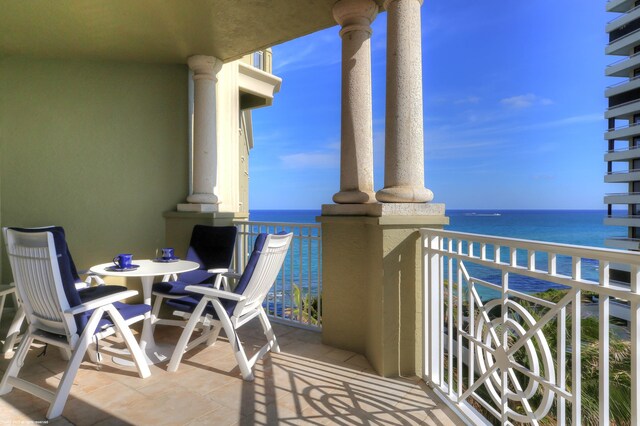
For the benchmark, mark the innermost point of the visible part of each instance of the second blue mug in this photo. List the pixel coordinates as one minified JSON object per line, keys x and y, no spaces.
{"x":167,"y":253}
{"x":123,"y":260}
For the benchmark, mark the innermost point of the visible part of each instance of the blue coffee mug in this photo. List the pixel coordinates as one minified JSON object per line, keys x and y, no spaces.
{"x":123,"y":260}
{"x":167,"y":253}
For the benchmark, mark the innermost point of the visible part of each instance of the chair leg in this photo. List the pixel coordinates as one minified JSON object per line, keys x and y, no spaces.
{"x":268,"y":331}
{"x":238,"y":350}
{"x":213,"y":337}
{"x":178,"y":352}
{"x":15,"y":364}
{"x":14,"y":331}
{"x":62,"y":393}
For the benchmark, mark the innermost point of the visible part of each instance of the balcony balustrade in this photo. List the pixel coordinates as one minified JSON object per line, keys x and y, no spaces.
{"x":499,"y":349}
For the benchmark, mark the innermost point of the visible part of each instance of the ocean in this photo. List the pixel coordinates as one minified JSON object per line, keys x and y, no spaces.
{"x":577,"y":227}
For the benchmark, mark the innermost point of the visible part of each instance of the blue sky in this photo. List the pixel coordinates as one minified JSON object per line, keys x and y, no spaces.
{"x":513,"y":109}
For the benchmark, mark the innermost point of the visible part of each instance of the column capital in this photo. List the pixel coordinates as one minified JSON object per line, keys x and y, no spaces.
{"x":204,"y":67}
{"x":387,"y":2}
{"x":355,"y":15}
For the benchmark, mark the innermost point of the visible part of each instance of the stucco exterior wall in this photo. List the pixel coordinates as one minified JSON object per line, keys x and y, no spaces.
{"x":97,"y":147}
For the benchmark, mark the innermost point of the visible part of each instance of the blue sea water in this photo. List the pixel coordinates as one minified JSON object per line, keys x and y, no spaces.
{"x":576,"y":227}
{"x":579,"y":227}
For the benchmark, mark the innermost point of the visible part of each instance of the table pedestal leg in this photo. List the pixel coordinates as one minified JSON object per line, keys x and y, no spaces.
{"x":153,"y":352}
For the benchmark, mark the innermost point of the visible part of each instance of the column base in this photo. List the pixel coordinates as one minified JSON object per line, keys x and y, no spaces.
{"x":354,"y":197}
{"x":404,"y":194}
{"x":197,"y":208}
{"x":202,"y":198}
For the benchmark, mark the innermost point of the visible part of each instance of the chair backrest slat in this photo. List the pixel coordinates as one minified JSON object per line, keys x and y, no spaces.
{"x":36,"y":273}
{"x":266,"y":271}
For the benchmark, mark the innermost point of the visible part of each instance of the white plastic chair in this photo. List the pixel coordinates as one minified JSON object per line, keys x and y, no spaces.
{"x":91,"y":287}
{"x":46,"y":289}
{"x":218,"y":309}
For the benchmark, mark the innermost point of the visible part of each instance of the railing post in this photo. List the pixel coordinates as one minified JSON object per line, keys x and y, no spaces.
{"x":635,"y":340}
{"x":432,"y":309}
{"x":604,"y":346}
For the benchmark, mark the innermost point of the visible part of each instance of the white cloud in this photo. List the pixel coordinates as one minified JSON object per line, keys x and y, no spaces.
{"x":525,"y":101}
{"x":311,"y":160}
{"x":312,"y":51}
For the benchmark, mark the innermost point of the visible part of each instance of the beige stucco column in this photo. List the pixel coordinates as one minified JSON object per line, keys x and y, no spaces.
{"x":356,"y":152}
{"x":203,"y":197}
{"x":404,"y":151}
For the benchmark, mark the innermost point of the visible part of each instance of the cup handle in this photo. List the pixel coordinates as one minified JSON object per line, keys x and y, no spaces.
{"x":115,"y":261}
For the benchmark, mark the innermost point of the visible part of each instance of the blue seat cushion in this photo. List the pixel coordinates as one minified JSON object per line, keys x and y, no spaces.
{"x":174,"y":288}
{"x":96,"y":292}
{"x":127,"y":311}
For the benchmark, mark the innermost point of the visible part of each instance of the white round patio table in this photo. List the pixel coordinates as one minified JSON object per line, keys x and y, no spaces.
{"x":147,"y":271}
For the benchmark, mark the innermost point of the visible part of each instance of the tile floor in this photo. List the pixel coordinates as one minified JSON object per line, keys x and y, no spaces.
{"x":307,"y":383}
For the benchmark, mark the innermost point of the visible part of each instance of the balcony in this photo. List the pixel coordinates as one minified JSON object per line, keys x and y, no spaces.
{"x":619,"y":5}
{"x":623,"y":243}
{"x":632,"y":220}
{"x":623,"y":111}
{"x":625,"y":154}
{"x":502,"y":352}
{"x":623,"y":19}
{"x":623,"y":176}
{"x":623,"y":44}
{"x":622,"y":87}
{"x":623,"y":67}
{"x":622,"y":132}
{"x":622,"y":198}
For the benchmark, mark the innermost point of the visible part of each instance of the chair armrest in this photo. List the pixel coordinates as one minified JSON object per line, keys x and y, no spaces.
{"x":212,"y":292}
{"x":233,"y":275}
{"x":218,"y":270}
{"x":91,"y":276}
{"x":96,"y":303}
{"x":7,"y":289}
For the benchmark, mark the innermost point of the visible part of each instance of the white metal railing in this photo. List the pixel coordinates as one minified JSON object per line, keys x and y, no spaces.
{"x":296,"y":296}
{"x":498,"y":350}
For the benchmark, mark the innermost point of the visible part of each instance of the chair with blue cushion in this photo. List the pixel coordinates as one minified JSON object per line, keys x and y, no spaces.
{"x":212,"y":248}
{"x":57,"y":315}
{"x":90,"y":288}
{"x":229,"y":310}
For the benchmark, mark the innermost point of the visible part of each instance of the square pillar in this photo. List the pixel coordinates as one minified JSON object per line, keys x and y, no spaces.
{"x":372,"y":281}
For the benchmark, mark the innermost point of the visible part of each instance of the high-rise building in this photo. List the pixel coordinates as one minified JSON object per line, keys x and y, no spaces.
{"x":623,"y":131}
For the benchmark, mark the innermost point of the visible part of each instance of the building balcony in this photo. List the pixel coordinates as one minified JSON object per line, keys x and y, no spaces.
{"x":622,"y":154}
{"x":623,"y":111}
{"x":619,"y":5}
{"x":622,"y":20}
{"x":622,"y":87}
{"x":623,"y":243}
{"x":623,"y":67}
{"x":622,"y":132}
{"x":623,"y":44}
{"x":633,"y":220}
{"x":622,"y":198}
{"x":623,"y":176}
